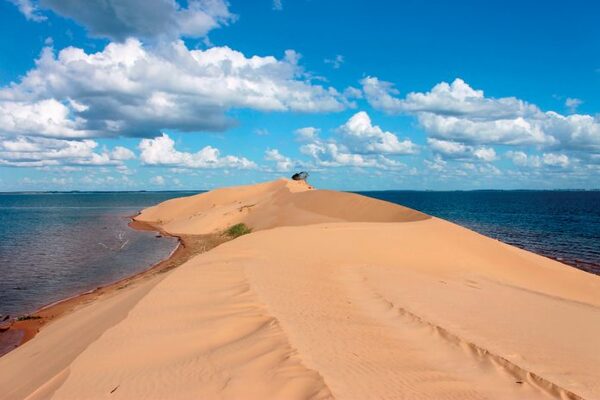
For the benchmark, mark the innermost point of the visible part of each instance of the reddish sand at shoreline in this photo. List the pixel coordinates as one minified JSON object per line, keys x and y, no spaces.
{"x":333,"y":295}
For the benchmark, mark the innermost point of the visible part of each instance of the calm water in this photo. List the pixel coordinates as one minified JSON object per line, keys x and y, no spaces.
{"x":53,"y":245}
{"x":564,"y":225}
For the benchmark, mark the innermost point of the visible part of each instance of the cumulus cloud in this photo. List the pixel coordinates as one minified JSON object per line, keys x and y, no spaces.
{"x":161,"y":151}
{"x":362,"y":137}
{"x":277,"y":5}
{"x":457,"y":150}
{"x":41,"y":152}
{"x":308,"y":133}
{"x":455,"y":99}
{"x":485,"y":154}
{"x":358,"y":143}
{"x":282,"y":163}
{"x":149,"y":19}
{"x":523,"y":159}
{"x":458,"y":112}
{"x":121,"y":153}
{"x":555,"y":160}
{"x":331,"y":154}
{"x":48,"y":117}
{"x":127,"y":89}
{"x":438,"y":164}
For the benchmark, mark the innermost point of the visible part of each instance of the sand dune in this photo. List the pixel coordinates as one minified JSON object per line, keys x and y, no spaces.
{"x":333,"y":295}
{"x":269,"y":205}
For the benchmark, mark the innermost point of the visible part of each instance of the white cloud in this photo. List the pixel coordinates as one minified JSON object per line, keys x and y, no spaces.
{"x":157,"y":180}
{"x":40,"y":152}
{"x":458,"y":112}
{"x":362,"y":137}
{"x":332,"y":154}
{"x":308,"y":133}
{"x":447,"y":147}
{"x":282,"y":163}
{"x":149,"y":19}
{"x":161,"y":151}
{"x":518,"y":131}
{"x":277,"y":5}
{"x":128,"y":89}
{"x":555,"y":160}
{"x":522,"y":159}
{"x":573,"y":103}
{"x":353,"y":93}
{"x":47,"y":117}
{"x":335,"y":62}
{"x":438,"y":164}
{"x":486,"y":154}
{"x":461,"y":151}
{"x":122,"y":153}
{"x":358,"y":143}
{"x":455,"y":99}
{"x":29,"y":9}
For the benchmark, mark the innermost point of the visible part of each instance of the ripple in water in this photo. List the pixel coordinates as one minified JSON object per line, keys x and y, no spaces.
{"x":55,"y":245}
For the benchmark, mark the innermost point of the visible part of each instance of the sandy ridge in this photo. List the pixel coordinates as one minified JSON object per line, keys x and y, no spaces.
{"x":338,"y":295}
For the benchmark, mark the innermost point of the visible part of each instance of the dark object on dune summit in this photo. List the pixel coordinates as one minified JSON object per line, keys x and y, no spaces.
{"x":300,"y":176}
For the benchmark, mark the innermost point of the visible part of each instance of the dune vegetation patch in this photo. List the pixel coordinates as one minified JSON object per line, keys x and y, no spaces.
{"x":237,"y":230}
{"x":28,"y":317}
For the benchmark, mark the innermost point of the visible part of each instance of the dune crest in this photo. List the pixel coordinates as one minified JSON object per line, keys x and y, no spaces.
{"x":283,"y":202}
{"x":333,"y":295}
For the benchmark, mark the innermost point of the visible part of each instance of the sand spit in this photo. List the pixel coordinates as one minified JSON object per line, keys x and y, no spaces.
{"x":333,"y":295}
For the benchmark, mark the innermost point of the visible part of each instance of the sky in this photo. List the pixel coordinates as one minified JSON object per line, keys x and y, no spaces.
{"x":364,"y":95}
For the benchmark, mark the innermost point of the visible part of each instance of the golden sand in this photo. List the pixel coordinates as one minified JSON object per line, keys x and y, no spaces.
{"x":333,"y":295}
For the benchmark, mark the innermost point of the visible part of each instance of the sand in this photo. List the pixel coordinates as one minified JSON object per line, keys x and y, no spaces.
{"x":333,"y":295}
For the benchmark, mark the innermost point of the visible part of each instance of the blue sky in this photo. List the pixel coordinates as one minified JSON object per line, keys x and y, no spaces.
{"x":436,"y":95}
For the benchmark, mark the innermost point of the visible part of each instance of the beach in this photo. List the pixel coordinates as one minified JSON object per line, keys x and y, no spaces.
{"x":332,"y":295}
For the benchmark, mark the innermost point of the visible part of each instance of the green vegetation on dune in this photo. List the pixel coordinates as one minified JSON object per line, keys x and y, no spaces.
{"x":237,"y":230}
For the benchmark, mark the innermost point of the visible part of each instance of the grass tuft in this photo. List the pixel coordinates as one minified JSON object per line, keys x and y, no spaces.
{"x":28,"y":317}
{"x":238,"y":230}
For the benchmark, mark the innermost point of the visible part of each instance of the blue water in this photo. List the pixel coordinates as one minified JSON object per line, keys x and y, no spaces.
{"x":563,"y":225}
{"x":54,"y":245}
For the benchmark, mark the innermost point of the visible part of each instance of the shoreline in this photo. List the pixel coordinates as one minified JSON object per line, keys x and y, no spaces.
{"x":14,"y":333}
{"x":326,"y":299}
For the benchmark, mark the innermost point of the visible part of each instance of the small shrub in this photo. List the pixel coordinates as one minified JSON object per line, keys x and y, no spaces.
{"x":238,"y":230}
{"x":28,"y":317}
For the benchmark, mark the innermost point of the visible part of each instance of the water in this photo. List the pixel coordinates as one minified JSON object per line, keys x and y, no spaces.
{"x":55,"y":245}
{"x":564,"y":225}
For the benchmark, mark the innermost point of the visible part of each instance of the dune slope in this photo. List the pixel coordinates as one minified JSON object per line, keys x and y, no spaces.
{"x":269,"y":205}
{"x":333,"y":295}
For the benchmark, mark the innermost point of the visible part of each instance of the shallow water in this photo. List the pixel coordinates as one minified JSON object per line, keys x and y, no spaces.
{"x":55,"y":245}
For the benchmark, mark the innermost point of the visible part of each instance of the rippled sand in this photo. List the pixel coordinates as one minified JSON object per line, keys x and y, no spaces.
{"x":333,"y":295}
